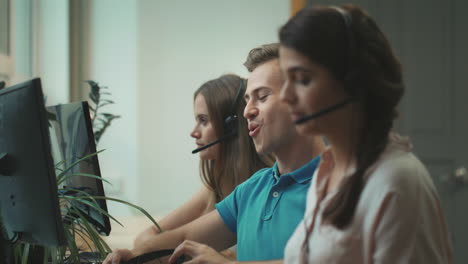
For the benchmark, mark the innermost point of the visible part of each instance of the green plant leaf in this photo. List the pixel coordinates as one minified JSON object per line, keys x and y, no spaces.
{"x":83,"y":235}
{"x":59,"y":163}
{"x":94,"y":97}
{"x":94,"y":236}
{"x":53,"y":255}
{"x":143,"y":211}
{"x":95,"y":206}
{"x":102,"y":120}
{"x":74,"y":251}
{"x":94,"y":87}
{"x":62,"y":174}
{"x":85,"y":194}
{"x":69,"y":176}
{"x":108,"y":115}
{"x":18,"y":252}
{"x":24,"y":259}
{"x":107,"y":101}
{"x":105,"y":125}
{"x":45,"y":260}
{"x":103,"y":243}
{"x":104,"y":104}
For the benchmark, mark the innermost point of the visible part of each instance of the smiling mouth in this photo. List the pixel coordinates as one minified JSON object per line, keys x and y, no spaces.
{"x":253,"y":132}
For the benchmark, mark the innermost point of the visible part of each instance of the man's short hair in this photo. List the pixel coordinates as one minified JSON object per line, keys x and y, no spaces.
{"x":260,"y":55}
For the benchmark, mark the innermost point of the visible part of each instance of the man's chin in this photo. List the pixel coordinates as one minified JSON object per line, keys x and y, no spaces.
{"x":262,"y":150}
{"x":259,"y":150}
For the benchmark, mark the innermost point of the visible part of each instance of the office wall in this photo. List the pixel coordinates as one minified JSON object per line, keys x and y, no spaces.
{"x":113,"y":62}
{"x":181,"y":45}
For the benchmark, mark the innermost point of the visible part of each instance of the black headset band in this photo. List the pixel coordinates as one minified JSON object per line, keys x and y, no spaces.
{"x":237,"y":99}
{"x":347,"y":19}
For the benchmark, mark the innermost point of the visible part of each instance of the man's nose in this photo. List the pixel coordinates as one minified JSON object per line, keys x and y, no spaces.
{"x":250,"y":111}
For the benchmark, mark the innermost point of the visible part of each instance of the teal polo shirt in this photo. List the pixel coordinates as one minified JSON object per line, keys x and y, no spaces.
{"x":264,"y":211}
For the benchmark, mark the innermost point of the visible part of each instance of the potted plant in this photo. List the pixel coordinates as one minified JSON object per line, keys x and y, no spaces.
{"x":76,"y":225}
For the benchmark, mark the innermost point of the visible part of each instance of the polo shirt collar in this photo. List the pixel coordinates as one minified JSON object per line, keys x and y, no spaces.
{"x":300,"y":175}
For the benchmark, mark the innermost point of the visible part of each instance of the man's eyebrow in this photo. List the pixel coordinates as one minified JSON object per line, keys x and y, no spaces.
{"x":297,"y":69}
{"x":256,"y":91}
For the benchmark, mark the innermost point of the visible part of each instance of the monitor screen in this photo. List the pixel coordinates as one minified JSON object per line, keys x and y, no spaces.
{"x":72,"y":138}
{"x":29,"y":206}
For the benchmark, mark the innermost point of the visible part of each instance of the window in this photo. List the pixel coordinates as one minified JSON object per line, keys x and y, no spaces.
{"x":6,"y":61}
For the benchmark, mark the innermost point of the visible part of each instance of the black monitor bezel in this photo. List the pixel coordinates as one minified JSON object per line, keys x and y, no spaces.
{"x":106,"y":228}
{"x":51,"y":195}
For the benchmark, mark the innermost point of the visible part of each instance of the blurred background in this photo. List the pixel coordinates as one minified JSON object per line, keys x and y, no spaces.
{"x":153,"y":54}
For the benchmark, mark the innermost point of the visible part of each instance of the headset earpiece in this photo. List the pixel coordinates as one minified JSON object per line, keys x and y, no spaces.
{"x":230,"y":124}
{"x":351,"y":78}
{"x":347,"y":20}
{"x":231,"y":121}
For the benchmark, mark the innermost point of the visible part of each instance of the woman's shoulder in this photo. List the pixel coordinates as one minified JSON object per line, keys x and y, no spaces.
{"x":398,"y":169}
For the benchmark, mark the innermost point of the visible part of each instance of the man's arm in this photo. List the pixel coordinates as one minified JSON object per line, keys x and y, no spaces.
{"x":208,"y":229}
{"x":189,"y":211}
{"x":200,"y":253}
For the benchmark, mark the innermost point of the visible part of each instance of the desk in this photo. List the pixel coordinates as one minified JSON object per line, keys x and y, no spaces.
{"x":123,"y":237}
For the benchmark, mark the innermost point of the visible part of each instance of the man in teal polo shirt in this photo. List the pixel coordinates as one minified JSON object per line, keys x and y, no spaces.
{"x":264,"y":211}
{"x":260,"y":214}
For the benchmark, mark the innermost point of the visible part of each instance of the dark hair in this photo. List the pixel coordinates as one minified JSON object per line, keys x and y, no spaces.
{"x":370,"y":73}
{"x":238,"y":158}
{"x":260,"y":55}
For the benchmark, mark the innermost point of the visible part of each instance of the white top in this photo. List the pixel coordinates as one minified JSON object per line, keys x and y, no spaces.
{"x":398,"y":218}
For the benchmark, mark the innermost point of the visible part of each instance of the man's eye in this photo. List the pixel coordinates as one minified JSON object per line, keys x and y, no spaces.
{"x":263,"y":97}
{"x":303,"y":81}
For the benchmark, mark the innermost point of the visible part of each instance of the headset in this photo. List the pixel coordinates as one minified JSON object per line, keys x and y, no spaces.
{"x":230,"y":122}
{"x":351,"y":48}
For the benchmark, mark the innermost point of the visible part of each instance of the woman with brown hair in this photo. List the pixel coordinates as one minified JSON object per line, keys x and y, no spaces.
{"x":218,"y":109}
{"x":371,"y":200}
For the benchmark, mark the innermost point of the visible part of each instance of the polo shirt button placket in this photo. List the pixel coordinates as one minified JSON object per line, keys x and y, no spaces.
{"x":275,"y":194}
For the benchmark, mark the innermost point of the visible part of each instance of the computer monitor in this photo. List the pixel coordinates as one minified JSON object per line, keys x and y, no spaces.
{"x":72,"y":138}
{"x":29,"y":206}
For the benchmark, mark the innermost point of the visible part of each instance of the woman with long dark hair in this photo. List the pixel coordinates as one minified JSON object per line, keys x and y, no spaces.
{"x":371,"y":200}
